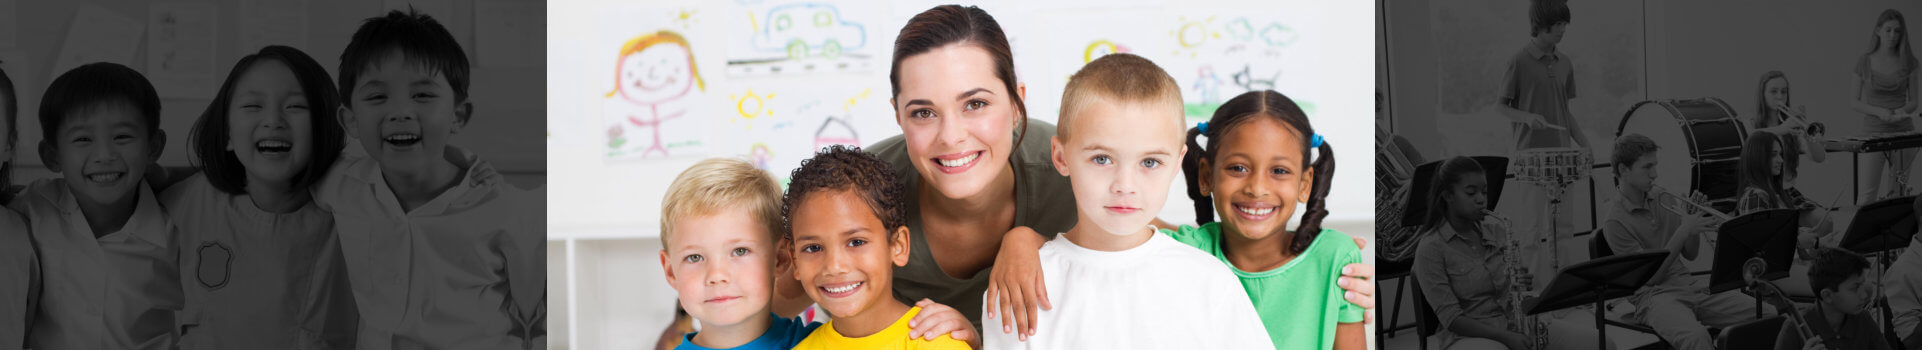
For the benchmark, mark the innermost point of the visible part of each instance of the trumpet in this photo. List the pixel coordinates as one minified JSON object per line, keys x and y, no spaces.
{"x":1519,"y":322}
{"x":1798,"y":117}
{"x":1675,"y":203}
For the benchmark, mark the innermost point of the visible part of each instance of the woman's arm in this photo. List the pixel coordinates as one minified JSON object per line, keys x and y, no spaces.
{"x":1861,"y":102}
{"x":1016,"y":287}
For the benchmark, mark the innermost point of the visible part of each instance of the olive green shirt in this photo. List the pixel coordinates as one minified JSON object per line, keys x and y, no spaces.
{"x":1042,"y":200}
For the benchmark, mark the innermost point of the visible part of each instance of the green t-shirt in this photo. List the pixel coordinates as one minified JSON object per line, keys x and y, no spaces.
{"x":1299,"y":302}
{"x":1043,"y":201}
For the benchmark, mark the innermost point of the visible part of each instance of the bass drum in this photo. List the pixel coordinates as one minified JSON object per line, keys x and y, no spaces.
{"x":1700,"y":144}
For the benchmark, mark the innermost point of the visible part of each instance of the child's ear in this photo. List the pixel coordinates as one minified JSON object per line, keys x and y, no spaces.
{"x":462,"y":113}
{"x":346,"y":119}
{"x":665,"y":269}
{"x":784,"y":257}
{"x":1307,"y":185}
{"x":899,"y":250}
{"x":1203,"y":181}
{"x":158,"y":143}
{"x":1056,"y":155}
{"x":49,"y":155}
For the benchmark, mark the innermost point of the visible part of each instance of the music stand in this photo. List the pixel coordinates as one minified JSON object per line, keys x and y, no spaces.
{"x":1493,"y":167}
{"x":1595,"y":281}
{"x":1881,"y":226}
{"x":1768,"y":234}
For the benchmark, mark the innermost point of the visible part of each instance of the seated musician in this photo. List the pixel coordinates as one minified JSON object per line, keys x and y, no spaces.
{"x":1765,"y":182}
{"x":1675,"y":303}
{"x":1901,"y":282}
{"x":1839,"y":317}
{"x":1464,"y":273}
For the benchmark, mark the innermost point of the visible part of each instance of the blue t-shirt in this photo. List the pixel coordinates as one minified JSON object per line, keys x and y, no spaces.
{"x":782,"y":333}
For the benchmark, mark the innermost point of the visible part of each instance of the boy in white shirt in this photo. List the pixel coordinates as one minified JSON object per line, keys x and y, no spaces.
{"x":1112,"y":279}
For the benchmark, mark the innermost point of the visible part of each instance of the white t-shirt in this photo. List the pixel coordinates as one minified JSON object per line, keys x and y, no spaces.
{"x":1159,"y":295}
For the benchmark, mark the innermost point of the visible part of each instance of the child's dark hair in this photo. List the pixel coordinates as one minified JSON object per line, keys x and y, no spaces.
{"x":9,"y":112}
{"x":1263,"y":104}
{"x":954,"y":24}
{"x":1544,"y":14}
{"x":846,"y":168}
{"x":209,"y":137}
{"x":96,"y":83}
{"x":1831,"y":266}
{"x":417,"y":37}
{"x":1451,"y":172}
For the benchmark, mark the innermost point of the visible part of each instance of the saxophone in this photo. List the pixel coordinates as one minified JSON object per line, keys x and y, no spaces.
{"x":1519,"y":321}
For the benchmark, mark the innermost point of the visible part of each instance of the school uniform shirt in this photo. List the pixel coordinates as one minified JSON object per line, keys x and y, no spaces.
{"x":1464,"y":279}
{"x":117,"y":291}
{"x":1160,"y":295}
{"x":781,"y":334}
{"x":466,"y":270}
{"x":1540,"y":82}
{"x":1299,"y":303}
{"x":255,"y":279}
{"x":19,"y":280}
{"x":895,"y":337}
{"x":1043,"y":201}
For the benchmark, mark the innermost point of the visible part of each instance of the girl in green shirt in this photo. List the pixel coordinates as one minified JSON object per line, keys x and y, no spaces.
{"x":1261,"y":158}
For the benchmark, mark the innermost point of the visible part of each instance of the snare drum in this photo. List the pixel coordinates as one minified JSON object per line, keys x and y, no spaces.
{"x":1698,"y":137}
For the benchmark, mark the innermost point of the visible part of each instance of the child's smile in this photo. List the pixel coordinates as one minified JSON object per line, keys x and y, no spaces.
{"x":268,"y":122}
{"x":840,"y":248}
{"x":404,"y":115}
{"x":1256,"y":177}
{"x":103,"y":150}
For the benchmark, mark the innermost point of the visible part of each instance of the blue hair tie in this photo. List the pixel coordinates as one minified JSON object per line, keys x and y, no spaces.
{"x":1316,"y":142}
{"x":1203,"y":127}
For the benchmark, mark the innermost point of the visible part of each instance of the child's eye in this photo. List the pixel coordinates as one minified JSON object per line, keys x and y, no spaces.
{"x":811,"y":248}
{"x":921,"y":113}
{"x":122,"y":137}
{"x":1236,"y":169}
{"x":1150,"y":163}
{"x":299,"y":107}
{"x":424,"y":96}
{"x":82,"y":140}
{"x":740,"y":251}
{"x":977,"y":104}
{"x":695,"y":258}
{"x":375,"y":98}
{"x":1280,"y":171}
{"x":1102,"y":160}
{"x":250,"y":107}
{"x":857,"y":242}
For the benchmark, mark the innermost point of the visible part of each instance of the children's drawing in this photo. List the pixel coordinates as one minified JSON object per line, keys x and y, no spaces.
{"x":655,"y":80}
{"x":1228,"y":55}
{"x":799,"y":37}
{"x":778,"y":125}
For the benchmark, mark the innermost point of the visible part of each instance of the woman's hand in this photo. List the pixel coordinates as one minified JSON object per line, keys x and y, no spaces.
{"x":936,"y":319}
{"x":1016,"y":286}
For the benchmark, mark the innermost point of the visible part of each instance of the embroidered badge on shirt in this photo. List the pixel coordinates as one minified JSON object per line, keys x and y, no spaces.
{"x":215,"y":259}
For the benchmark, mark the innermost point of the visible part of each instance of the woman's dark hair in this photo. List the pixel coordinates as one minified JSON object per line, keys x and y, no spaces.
{"x":846,"y":168}
{"x":952,"y":24}
{"x":209,"y":136}
{"x":1239,"y":110}
{"x":1754,"y":164}
{"x":1451,"y":172}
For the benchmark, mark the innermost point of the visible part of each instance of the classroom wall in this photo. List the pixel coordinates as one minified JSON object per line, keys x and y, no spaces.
{"x":604,"y":208}
{"x":507,"y":106}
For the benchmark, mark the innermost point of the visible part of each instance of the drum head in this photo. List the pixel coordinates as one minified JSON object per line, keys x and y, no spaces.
{"x":1674,"y":163}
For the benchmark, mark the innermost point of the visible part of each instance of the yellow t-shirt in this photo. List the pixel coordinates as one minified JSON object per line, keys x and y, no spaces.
{"x":894,"y":337}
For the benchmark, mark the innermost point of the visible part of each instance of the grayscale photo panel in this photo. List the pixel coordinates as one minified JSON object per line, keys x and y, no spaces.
{"x":276,"y":174}
{"x":1555,"y":174}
